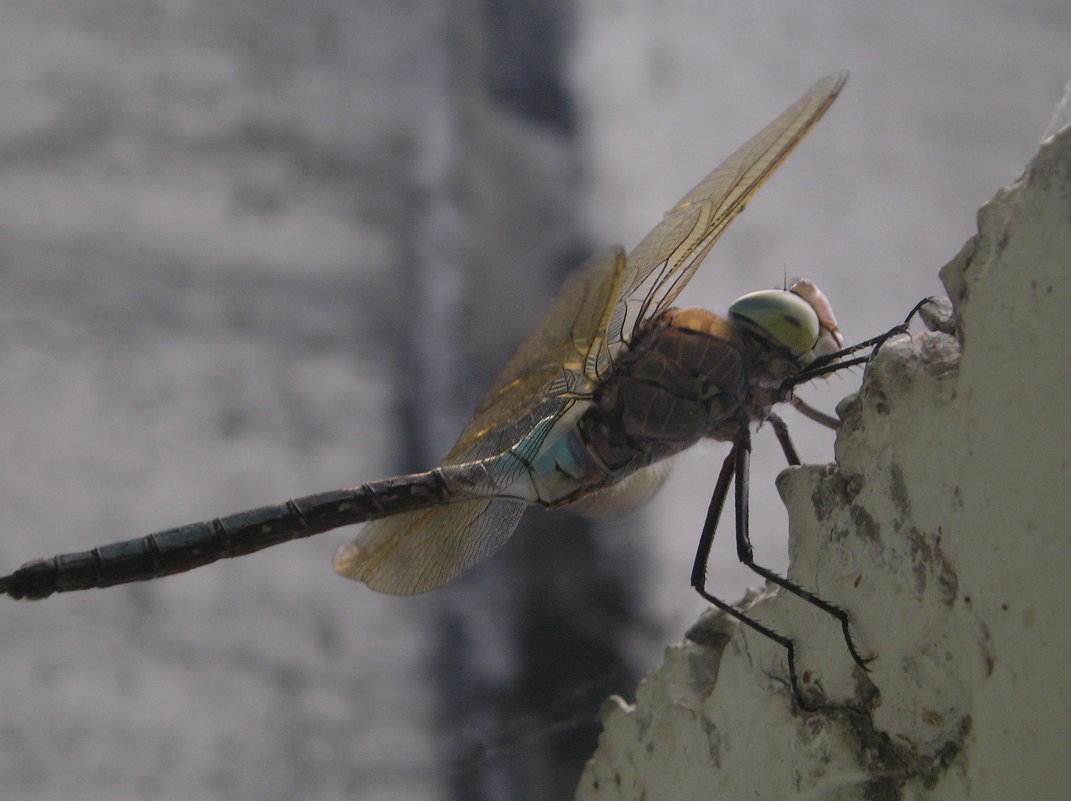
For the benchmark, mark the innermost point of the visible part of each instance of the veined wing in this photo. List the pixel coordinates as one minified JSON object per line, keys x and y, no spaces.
{"x":413,"y":552}
{"x":665,"y":260}
{"x":552,"y":366}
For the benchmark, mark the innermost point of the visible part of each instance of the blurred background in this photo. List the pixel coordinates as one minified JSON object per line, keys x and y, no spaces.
{"x":254,"y":251}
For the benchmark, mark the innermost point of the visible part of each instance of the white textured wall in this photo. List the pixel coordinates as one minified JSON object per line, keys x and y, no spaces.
{"x":942,"y":528}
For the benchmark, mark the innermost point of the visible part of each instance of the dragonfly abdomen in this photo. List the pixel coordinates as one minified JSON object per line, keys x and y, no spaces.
{"x":177,"y":550}
{"x":548,"y":465}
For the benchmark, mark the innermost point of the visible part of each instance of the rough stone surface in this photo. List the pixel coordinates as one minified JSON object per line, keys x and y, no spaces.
{"x":942,"y":529}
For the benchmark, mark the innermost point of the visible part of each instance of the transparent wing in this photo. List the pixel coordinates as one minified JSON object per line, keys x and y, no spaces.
{"x":627,"y":495}
{"x":665,"y":260}
{"x":552,"y":366}
{"x":417,"y":551}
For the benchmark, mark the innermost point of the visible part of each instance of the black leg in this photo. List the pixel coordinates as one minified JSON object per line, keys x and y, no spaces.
{"x":831,"y":363}
{"x":814,"y":414}
{"x":702,"y":556}
{"x":737,"y":465}
{"x":781,"y":432}
{"x":785,"y":642}
{"x":745,"y":553}
{"x":823,"y":368}
{"x":710,"y":525}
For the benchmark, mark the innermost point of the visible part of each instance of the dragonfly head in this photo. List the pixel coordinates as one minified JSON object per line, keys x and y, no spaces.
{"x":798,"y":319}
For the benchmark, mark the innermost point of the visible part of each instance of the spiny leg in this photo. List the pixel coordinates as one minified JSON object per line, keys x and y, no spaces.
{"x":811,"y":413}
{"x":831,"y":362}
{"x":699,"y":575}
{"x":783,"y":439}
{"x":744,"y":551}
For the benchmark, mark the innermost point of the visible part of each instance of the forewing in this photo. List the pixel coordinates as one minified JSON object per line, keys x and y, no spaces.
{"x":551,"y":366}
{"x":414,"y":552}
{"x":665,"y":260}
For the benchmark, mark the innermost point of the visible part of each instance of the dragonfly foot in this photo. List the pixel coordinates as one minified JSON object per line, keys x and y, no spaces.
{"x":856,"y":656}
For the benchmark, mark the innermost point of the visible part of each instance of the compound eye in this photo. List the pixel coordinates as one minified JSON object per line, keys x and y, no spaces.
{"x":783,"y":317}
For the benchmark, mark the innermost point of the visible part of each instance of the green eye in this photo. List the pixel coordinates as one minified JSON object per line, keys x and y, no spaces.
{"x":786,"y":318}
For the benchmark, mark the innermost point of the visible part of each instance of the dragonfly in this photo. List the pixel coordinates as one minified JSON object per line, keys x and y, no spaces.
{"x":611,"y":382}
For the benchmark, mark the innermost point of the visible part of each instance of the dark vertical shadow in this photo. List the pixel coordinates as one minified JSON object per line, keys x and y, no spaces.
{"x":529,"y":644}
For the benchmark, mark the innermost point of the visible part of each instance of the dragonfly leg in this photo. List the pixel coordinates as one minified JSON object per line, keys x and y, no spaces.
{"x":816,"y":415}
{"x":745,"y":553}
{"x":699,"y":576}
{"x":822,"y":367}
{"x":832,"y":362}
{"x":781,"y":432}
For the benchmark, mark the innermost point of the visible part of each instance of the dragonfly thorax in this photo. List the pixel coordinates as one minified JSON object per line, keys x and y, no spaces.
{"x":689,"y":374}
